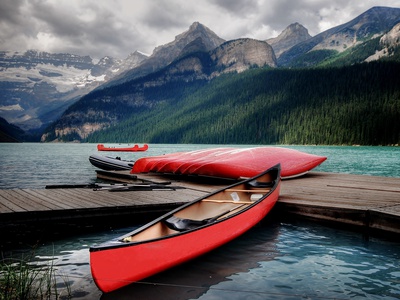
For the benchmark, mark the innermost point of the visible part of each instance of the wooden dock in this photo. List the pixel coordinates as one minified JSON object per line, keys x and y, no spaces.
{"x":371,"y":203}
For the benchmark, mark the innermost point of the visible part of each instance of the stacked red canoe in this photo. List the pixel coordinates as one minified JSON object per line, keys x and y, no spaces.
{"x":230,"y":162}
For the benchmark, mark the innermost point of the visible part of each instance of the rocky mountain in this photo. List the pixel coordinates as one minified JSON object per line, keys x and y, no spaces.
{"x":373,"y":23}
{"x":198,"y":38}
{"x":113,"y":104}
{"x":293,"y":34}
{"x":165,"y":54}
{"x":36,"y":87}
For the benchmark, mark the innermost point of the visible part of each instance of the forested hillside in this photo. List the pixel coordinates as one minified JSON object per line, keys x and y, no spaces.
{"x":357,"y":104}
{"x":10,"y":133}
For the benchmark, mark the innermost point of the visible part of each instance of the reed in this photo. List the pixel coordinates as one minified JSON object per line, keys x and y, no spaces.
{"x":29,"y":279}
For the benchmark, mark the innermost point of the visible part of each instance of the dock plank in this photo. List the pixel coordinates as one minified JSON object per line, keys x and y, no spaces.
{"x":81,"y":199}
{"x":116,"y":198}
{"x":4,"y":208}
{"x":36,"y":198}
{"x":27,"y":203}
{"x":51,"y":197}
{"x":7,"y":201}
{"x":101,"y":198}
{"x":70,"y":200}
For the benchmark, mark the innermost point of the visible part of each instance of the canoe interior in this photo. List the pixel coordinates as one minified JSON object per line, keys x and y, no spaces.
{"x":224,"y":203}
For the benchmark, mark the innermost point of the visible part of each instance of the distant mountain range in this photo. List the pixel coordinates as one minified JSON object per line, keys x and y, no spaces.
{"x":37,"y":87}
{"x":83,"y":96}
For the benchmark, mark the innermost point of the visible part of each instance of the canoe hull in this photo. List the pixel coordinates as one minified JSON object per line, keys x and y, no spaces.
{"x":230,"y":162}
{"x":116,"y":266}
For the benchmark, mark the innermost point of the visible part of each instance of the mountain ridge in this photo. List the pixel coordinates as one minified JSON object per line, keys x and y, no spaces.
{"x":165,"y":54}
{"x":192,"y":57}
{"x":375,"y":21}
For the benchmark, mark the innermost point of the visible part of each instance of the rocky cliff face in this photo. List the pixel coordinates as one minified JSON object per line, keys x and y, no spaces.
{"x":291,"y":36}
{"x":392,"y":38}
{"x":242,"y":54}
{"x":389,"y":42}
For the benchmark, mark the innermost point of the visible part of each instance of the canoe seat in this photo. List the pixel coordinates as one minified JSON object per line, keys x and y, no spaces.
{"x":180,"y":224}
{"x":258,"y":184}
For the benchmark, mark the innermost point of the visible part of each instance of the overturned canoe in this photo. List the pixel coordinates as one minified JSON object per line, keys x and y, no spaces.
{"x":185,"y":233}
{"x":101,"y":147}
{"x":230,"y":162}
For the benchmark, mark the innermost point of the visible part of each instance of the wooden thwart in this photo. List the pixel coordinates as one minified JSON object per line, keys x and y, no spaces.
{"x":248,"y":191}
{"x":227,"y":201}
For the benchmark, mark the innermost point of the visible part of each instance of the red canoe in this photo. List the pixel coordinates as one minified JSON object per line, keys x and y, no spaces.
{"x":185,"y":233}
{"x":101,"y":147}
{"x":230,"y":162}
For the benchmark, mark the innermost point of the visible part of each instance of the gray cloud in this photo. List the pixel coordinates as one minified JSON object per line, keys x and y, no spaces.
{"x":164,"y":15}
{"x":120,"y":27}
{"x":239,"y":8}
{"x":9,"y":12}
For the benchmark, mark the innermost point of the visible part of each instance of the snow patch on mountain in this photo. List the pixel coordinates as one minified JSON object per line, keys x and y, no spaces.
{"x":11,"y":107}
{"x":39,"y":82}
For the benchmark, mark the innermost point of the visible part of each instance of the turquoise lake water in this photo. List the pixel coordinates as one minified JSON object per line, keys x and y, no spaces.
{"x":278,"y":259}
{"x":31,"y":165}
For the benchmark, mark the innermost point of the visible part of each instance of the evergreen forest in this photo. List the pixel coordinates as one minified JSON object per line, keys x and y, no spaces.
{"x":348,"y":105}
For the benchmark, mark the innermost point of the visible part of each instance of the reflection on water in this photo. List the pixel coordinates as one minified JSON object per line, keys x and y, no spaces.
{"x":274,"y":260}
{"x":317,"y":262}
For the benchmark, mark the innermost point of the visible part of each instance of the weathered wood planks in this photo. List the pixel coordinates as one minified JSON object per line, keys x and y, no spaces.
{"x":368,"y":201}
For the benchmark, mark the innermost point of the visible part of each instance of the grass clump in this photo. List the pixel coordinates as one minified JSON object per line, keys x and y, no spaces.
{"x":27,"y":279}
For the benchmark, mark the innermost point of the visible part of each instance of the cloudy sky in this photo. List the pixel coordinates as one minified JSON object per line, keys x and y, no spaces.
{"x":119,"y":27}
